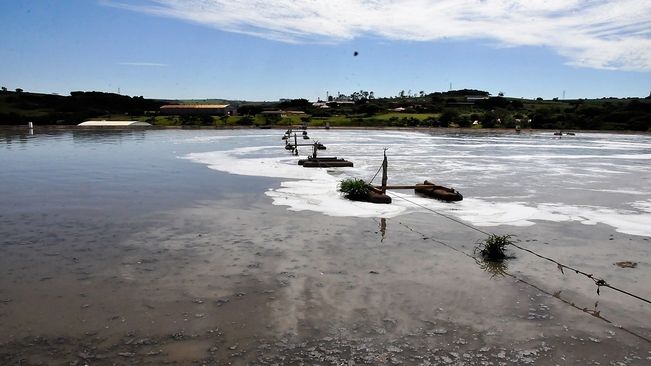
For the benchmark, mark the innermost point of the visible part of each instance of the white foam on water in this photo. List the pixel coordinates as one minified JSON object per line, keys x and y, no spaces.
{"x":316,"y":189}
{"x":233,"y":162}
{"x":643,"y":205}
{"x":323,"y":196}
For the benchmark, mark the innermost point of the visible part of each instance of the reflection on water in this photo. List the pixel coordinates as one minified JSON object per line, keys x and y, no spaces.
{"x":21,"y":138}
{"x":108,"y":136}
{"x":493,"y":268}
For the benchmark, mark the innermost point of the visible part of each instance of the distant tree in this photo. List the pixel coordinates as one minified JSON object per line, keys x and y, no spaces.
{"x":369,"y":109}
{"x":539,"y":99}
{"x":590,"y":111}
{"x":205,"y":120}
{"x":640,"y":123}
{"x":19,"y":90}
{"x":245,"y":121}
{"x":186,"y":120}
{"x":300,"y":103}
{"x":517,"y":104}
{"x":272,"y":118}
{"x":249,"y":109}
{"x":493,"y":102}
{"x":4,"y":88}
{"x":431,"y":122}
{"x":500,"y":94}
{"x":436,"y":97}
{"x":401,"y":94}
{"x":449,"y":115}
{"x":422,"y":93}
{"x":224,"y":118}
{"x":464,"y":121}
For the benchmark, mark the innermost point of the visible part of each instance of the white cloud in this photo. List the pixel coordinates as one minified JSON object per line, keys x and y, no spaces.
{"x":590,"y":33}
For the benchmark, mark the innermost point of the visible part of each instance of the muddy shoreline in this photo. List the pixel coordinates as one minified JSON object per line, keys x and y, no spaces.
{"x":239,"y":281}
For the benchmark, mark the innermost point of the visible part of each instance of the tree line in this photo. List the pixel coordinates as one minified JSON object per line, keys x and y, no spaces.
{"x":454,"y":108}
{"x":19,"y":107}
{"x":469,"y":107}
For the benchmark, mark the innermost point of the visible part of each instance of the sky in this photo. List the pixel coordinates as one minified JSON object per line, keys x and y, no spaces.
{"x":266,"y":50}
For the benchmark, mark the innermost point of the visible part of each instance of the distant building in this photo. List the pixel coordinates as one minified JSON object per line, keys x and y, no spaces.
{"x":282,"y":114}
{"x":209,"y":109}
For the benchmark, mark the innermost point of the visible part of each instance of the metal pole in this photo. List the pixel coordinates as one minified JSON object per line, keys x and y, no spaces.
{"x":385,"y":166}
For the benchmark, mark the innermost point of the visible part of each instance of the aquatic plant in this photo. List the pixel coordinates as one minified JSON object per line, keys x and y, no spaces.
{"x":354,"y":188}
{"x":492,"y":248}
{"x":496,"y":269}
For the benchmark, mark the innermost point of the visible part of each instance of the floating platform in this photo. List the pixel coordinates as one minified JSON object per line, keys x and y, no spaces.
{"x":430,"y":189}
{"x":325,"y":162}
{"x":373,"y":196}
{"x":376,"y":196}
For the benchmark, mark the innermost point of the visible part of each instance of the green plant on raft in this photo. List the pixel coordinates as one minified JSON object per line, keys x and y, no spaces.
{"x":492,"y":248}
{"x":354,"y":188}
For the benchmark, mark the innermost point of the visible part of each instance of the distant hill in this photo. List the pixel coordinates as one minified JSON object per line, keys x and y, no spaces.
{"x":18,"y":107}
{"x":454,"y":108}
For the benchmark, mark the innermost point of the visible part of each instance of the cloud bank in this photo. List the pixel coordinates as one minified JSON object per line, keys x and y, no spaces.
{"x":588,"y":33}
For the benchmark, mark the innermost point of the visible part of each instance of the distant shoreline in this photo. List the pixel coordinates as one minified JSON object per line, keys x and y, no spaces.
{"x":285,"y":127}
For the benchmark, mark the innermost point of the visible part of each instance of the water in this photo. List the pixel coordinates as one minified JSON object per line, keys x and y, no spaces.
{"x":215,"y":246}
{"x":128,"y":172}
{"x":506,"y":179}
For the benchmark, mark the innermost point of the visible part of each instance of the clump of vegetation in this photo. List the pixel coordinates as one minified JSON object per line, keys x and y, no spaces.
{"x":354,"y":188}
{"x":492,"y":248}
{"x":494,"y":268}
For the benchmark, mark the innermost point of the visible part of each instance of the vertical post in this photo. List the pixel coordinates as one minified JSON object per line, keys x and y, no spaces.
{"x":385,"y":165}
{"x":295,"y":144}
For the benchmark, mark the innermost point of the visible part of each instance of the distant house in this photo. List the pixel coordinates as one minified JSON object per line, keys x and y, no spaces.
{"x":282,"y":114}
{"x":209,"y":109}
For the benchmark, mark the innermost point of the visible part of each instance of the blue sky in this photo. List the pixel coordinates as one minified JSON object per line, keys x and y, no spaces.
{"x":266,"y":50}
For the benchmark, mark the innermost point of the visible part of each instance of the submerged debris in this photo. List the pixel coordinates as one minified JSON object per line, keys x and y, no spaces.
{"x":627,"y":264}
